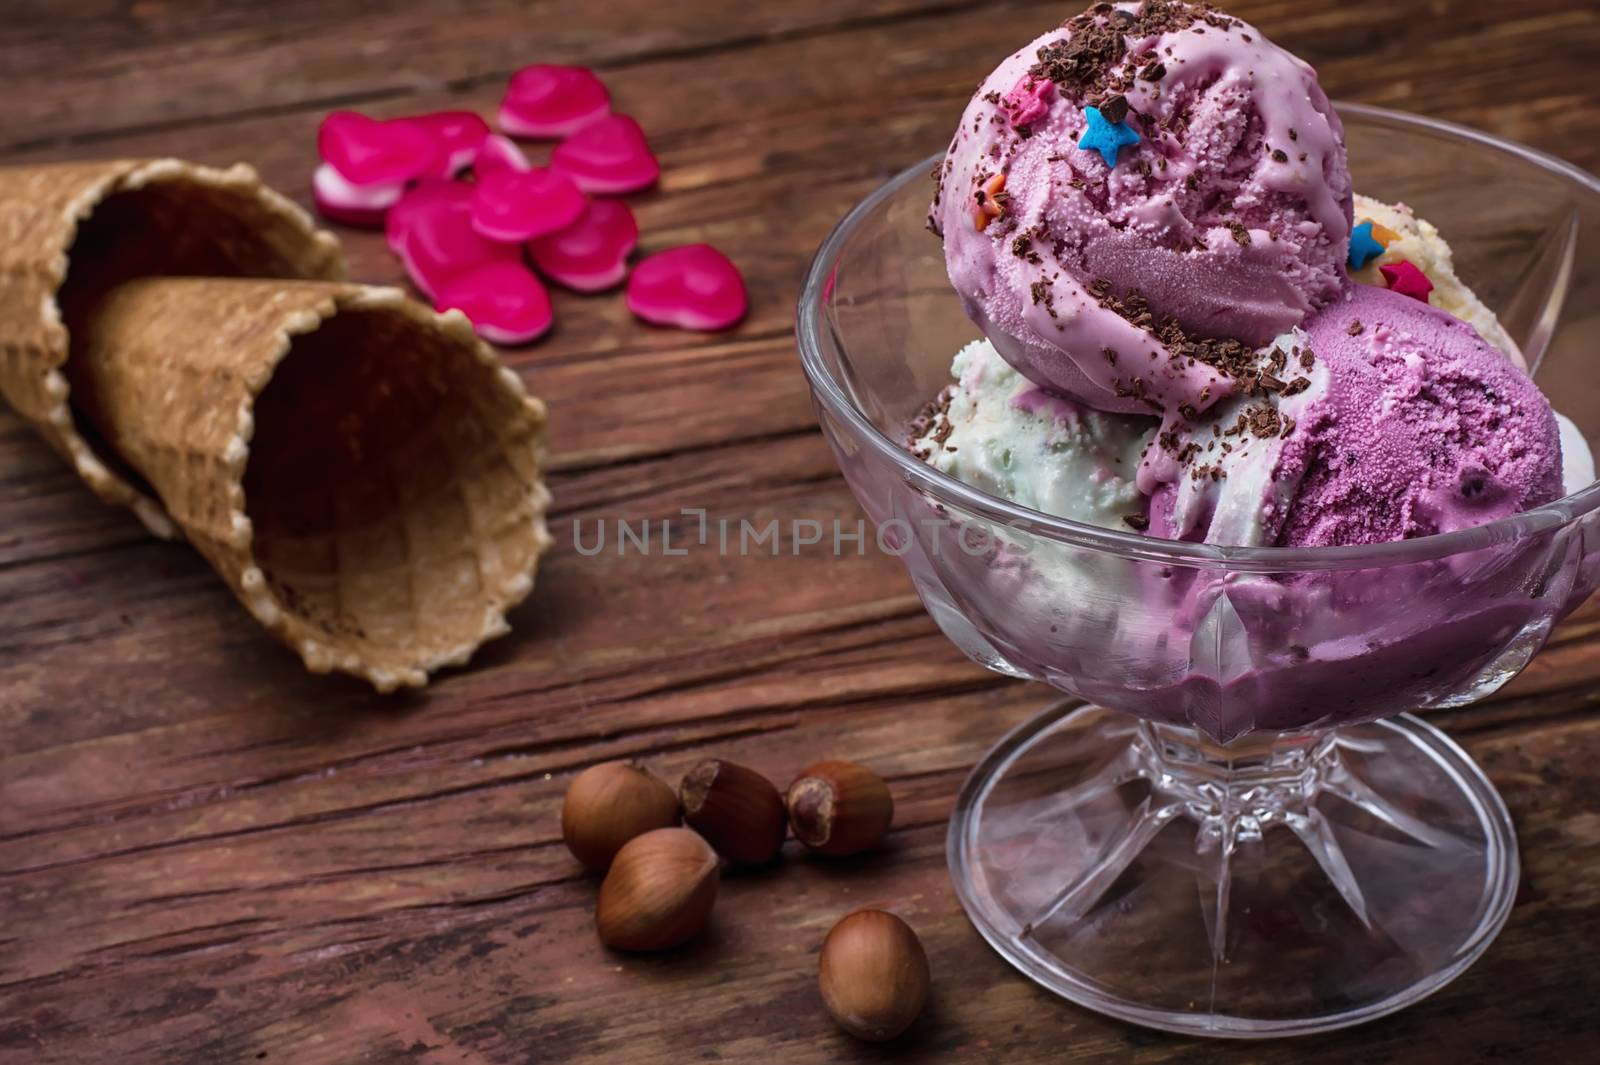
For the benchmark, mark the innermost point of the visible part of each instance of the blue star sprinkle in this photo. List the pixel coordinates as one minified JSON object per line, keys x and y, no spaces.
{"x":1106,"y":137}
{"x":1363,"y":246}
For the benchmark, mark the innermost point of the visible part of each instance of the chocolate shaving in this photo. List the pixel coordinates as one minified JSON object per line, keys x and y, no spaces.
{"x":1240,"y":233}
{"x":1355,"y":327}
{"x":1137,"y":521}
{"x":935,"y":412}
{"x":1079,"y":60}
{"x":1115,"y":109}
{"x":1262,"y":421}
{"x":1097,"y":42}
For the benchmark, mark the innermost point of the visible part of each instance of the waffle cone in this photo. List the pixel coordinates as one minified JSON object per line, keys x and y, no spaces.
{"x":362,"y":472}
{"x":70,"y":232}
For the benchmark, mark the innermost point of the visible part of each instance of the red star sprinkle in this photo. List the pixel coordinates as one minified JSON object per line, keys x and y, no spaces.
{"x":1404,"y":278}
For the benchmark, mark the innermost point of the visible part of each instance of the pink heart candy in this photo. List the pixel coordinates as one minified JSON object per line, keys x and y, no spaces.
{"x":503,"y":300}
{"x":457,"y":137}
{"x":354,"y":205}
{"x":608,"y":156}
{"x":518,"y":205}
{"x":691,"y":287}
{"x":548,"y":102}
{"x":437,"y":241}
{"x":591,"y":254}
{"x":499,"y":153}
{"x":418,"y":198}
{"x":367,"y":152}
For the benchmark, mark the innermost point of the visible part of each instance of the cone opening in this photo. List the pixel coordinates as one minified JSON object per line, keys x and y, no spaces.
{"x":388,"y":520}
{"x":176,"y":225}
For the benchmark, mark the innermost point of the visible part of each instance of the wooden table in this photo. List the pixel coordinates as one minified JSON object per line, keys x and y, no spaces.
{"x":207,"y":855}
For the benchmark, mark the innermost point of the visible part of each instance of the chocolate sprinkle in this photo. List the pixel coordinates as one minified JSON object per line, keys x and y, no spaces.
{"x":1262,"y":421}
{"x":1279,"y":155}
{"x":934,"y":413}
{"x":1079,"y":60}
{"x":1097,"y":40}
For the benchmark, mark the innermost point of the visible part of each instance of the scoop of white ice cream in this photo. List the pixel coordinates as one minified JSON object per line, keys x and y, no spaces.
{"x":1419,"y":243}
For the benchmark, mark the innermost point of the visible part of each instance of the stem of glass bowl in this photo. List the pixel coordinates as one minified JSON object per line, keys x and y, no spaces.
{"x":1233,"y":794}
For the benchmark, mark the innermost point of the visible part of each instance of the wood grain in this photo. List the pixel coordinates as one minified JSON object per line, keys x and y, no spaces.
{"x":207,"y":855}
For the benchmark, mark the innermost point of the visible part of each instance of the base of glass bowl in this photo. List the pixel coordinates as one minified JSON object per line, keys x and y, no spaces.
{"x":1283,"y":885}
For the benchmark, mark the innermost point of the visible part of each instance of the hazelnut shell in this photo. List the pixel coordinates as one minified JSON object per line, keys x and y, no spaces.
{"x":839,"y":808}
{"x":659,"y":891}
{"x":873,"y":974}
{"x":736,"y":809}
{"x":609,"y":804}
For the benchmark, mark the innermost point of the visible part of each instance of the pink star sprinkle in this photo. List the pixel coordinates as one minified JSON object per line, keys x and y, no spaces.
{"x":1029,"y":100}
{"x":1404,"y":278}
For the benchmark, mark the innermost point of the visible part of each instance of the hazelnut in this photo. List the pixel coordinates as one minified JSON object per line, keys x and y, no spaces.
{"x":839,"y":808}
{"x":873,"y":974}
{"x":659,"y":891}
{"x":609,"y":804}
{"x":736,"y":809}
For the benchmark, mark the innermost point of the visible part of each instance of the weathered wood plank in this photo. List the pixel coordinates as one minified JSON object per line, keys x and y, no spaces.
{"x":207,"y":855}
{"x":88,"y":77}
{"x":476,"y":964}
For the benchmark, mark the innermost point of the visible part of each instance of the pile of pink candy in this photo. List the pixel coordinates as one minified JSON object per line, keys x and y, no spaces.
{"x":467,"y":244}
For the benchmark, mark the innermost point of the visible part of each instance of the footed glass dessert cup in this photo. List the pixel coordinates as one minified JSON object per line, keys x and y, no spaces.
{"x":1234,"y":826}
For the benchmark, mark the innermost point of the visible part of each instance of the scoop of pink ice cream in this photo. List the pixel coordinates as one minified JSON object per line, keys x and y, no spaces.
{"x":1230,"y":217}
{"x":1423,"y":428}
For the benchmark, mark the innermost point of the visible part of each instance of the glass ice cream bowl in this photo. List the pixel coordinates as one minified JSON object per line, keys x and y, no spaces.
{"x":1234,"y":825}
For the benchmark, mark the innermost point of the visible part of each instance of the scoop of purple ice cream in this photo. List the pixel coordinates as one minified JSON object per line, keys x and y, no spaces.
{"x":1230,"y":217}
{"x":1423,"y":428}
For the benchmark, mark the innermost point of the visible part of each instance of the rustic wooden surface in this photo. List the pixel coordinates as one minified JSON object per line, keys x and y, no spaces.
{"x":207,"y":855}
